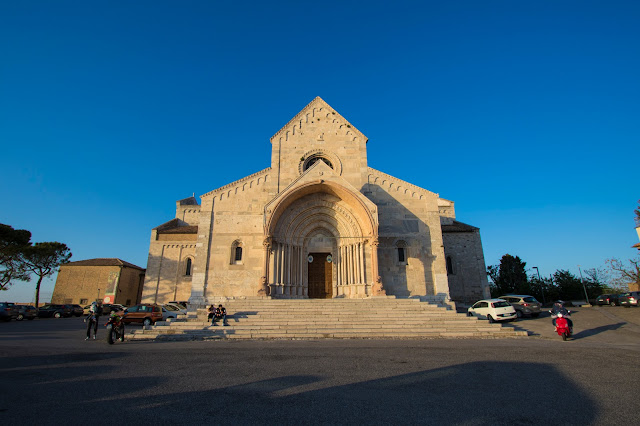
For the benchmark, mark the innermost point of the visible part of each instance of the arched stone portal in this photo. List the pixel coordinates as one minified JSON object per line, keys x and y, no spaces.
{"x":320,"y":220}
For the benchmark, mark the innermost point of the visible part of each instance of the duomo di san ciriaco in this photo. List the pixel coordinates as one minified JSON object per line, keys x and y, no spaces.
{"x":318,"y":223}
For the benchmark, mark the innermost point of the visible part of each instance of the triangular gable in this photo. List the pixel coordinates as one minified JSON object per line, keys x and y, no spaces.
{"x":311,"y":111}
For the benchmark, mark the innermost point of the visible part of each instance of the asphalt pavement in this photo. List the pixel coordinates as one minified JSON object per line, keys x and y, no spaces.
{"x":50,"y":375}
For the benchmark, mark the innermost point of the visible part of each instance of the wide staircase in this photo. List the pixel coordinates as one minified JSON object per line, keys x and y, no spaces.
{"x":375,"y":318}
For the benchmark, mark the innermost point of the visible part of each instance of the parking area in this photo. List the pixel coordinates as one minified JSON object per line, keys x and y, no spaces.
{"x":601,"y":325}
{"x":597,"y":324}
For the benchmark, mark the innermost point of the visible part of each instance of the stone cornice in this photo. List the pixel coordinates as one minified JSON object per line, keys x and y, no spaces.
{"x":317,"y":100}
{"x":235,"y":183}
{"x":399,"y":183}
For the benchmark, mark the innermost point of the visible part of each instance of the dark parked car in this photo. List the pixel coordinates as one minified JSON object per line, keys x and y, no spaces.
{"x":108,"y":307}
{"x":8,"y":310}
{"x":55,"y":311}
{"x":26,"y":312}
{"x":629,"y":299}
{"x":76,"y":310}
{"x":607,"y":299}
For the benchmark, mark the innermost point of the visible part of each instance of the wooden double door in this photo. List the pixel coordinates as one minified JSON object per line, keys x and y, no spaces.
{"x":320,"y":275}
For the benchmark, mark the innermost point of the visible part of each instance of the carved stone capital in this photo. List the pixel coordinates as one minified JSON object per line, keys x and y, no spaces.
{"x":264,"y":287}
{"x":377,"y":288}
{"x":267,"y":243}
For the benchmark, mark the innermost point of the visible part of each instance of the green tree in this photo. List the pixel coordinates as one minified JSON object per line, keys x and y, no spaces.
{"x":569,"y":286}
{"x":509,"y":277}
{"x":12,"y":244}
{"x":543,"y":289}
{"x":637,"y":214}
{"x":43,"y":259}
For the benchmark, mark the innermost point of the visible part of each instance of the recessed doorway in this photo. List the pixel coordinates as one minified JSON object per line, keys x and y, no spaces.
{"x":320,"y":274}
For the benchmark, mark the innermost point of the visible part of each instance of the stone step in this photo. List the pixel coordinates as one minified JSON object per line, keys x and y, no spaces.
{"x":330,"y":318}
{"x":318,"y":321}
{"x":329,"y":334}
{"x":364,"y":332}
{"x":337,"y":317}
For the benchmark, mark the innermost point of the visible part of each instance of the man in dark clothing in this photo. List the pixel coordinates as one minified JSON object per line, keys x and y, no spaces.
{"x":92,"y":320}
{"x":559,"y":308}
{"x":221,"y":312}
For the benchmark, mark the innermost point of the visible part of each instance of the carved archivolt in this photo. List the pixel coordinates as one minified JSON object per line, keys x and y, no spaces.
{"x":315,"y":212}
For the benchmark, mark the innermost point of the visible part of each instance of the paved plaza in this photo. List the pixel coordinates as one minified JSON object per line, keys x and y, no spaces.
{"x":52,"y":376}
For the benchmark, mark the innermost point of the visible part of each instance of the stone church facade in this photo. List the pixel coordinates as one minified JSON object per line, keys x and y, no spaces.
{"x":318,"y":223}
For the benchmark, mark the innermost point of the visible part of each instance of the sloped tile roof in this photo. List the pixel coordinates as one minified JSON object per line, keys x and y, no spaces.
{"x":458,"y":227}
{"x":176,"y":226}
{"x":104,"y":261}
{"x":179,"y":230}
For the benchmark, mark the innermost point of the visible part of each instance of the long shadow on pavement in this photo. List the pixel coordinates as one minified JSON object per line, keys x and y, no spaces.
{"x":477,"y":393}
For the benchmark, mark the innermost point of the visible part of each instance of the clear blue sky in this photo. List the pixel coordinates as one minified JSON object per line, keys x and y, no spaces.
{"x":526,"y":114}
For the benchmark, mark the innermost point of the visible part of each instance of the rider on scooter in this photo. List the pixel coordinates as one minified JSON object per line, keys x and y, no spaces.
{"x":559,"y":309}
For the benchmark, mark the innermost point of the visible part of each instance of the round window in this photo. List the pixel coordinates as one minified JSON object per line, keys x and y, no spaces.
{"x":314,"y":159}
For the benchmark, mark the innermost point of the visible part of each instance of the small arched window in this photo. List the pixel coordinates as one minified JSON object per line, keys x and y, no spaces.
{"x":187,"y":268}
{"x":449,"y":266}
{"x":236,"y":253}
{"x":401,"y":248}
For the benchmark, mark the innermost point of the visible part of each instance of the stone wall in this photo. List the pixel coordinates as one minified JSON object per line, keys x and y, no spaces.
{"x":166,"y":278}
{"x":85,"y":284}
{"x":468,"y":279}
{"x":409,"y":219}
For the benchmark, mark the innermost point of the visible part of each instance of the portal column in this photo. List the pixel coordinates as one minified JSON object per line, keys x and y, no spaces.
{"x":349,"y":281}
{"x":377,"y":287}
{"x":287,"y":269}
{"x":362,"y":275}
{"x":274,"y":263}
{"x":280,"y":267}
{"x":264,"y":280}
{"x":358,"y":264}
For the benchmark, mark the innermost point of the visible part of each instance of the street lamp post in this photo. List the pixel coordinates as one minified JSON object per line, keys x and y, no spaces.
{"x":583,"y":286}
{"x":541,"y":286}
{"x":98,"y":298}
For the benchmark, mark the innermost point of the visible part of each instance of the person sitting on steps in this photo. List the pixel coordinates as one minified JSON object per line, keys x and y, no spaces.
{"x":212,"y":312}
{"x":221,"y":312}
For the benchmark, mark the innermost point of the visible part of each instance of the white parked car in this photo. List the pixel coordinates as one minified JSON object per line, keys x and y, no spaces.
{"x":177,"y":306}
{"x":493,"y":310}
{"x":170,"y":311}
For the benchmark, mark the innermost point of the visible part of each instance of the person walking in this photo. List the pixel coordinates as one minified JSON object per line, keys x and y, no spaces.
{"x":92,"y":320}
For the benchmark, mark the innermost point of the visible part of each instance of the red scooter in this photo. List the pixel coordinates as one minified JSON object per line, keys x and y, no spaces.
{"x":562,"y":327}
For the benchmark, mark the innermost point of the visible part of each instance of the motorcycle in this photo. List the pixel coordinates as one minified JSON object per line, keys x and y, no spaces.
{"x":562,"y":324}
{"x":115,"y":329}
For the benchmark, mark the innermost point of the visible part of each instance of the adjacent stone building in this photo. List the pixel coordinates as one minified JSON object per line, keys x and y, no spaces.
{"x":318,"y":223}
{"x":108,"y":280}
